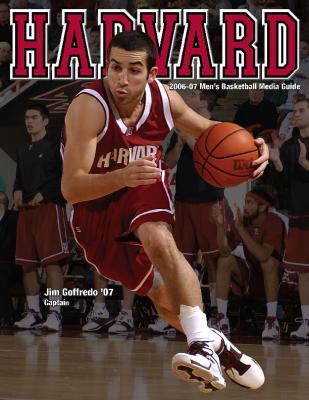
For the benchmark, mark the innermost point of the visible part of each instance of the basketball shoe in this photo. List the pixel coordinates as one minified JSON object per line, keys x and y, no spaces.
{"x":31,"y":320}
{"x":240,"y":368}
{"x":271,"y":330}
{"x":97,"y":320}
{"x":199,"y":365}
{"x":123,"y":323}
{"x":53,"y":321}
{"x":302,"y":333}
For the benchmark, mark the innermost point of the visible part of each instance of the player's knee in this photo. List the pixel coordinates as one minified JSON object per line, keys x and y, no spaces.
{"x":29,"y":268}
{"x":156,"y":239}
{"x":225,"y":264}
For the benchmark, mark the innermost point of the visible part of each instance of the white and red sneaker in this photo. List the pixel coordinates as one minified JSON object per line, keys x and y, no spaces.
{"x":240,"y":368}
{"x":271,"y":330}
{"x":199,"y":365}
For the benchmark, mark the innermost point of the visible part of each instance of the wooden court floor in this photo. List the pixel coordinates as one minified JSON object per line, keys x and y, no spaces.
{"x":96,"y":367}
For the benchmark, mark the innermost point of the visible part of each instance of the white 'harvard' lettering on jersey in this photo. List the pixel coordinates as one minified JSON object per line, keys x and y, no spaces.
{"x":118,"y":144}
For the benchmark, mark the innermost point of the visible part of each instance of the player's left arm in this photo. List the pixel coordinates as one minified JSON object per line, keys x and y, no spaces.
{"x":187,"y":120}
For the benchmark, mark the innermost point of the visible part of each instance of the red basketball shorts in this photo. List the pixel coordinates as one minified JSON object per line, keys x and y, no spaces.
{"x":296,"y":256}
{"x":42,"y":235}
{"x":104,"y":230}
{"x":195,"y":228}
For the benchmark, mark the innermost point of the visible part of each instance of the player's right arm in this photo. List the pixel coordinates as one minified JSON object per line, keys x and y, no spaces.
{"x":83,"y":122}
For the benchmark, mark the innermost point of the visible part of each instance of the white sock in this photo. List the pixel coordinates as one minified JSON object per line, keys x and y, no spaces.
{"x":213,"y":294}
{"x":305,"y":311}
{"x":194,"y":323}
{"x":34,"y":303}
{"x":128,"y":311}
{"x":272,"y":309}
{"x":222,"y":306}
{"x":99,"y":307}
{"x":57,"y":306}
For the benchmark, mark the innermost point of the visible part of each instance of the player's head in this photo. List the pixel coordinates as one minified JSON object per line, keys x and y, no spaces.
{"x":301,"y":113}
{"x":131,"y":64}
{"x":257,"y":202}
{"x":36,"y":118}
{"x":256,"y":96}
{"x":4,"y":203}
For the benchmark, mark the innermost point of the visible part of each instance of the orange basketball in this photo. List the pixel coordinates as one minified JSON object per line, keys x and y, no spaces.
{"x":223,"y":155}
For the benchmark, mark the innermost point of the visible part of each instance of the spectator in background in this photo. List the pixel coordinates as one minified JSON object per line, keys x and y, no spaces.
{"x":5,"y":56}
{"x":129,"y":5}
{"x":42,"y":232}
{"x":99,"y":317}
{"x":262,"y":234}
{"x":257,"y":111}
{"x":9,"y":272}
{"x":30,"y":4}
{"x":254,"y":8}
{"x":19,"y":4}
{"x":55,"y":30}
{"x":214,"y":9}
{"x":301,"y":76}
{"x":291,"y":162}
{"x":5,"y":27}
{"x":94,"y":43}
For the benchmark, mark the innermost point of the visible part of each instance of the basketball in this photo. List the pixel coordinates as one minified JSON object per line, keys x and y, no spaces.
{"x":223,"y":155}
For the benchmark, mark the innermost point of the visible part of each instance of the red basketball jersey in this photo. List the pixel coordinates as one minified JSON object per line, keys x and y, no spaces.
{"x":119,"y":144}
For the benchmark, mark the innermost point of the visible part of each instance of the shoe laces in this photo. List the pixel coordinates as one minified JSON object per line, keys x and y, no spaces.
{"x":201,"y":347}
{"x":270,"y":322}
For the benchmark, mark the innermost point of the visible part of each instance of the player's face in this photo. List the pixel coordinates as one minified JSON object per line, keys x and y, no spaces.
{"x":251,"y":208}
{"x":128,"y":74}
{"x":301,"y":115}
{"x":256,"y":96}
{"x":35,"y":123}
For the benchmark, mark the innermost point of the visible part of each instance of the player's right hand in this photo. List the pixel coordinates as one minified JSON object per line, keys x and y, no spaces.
{"x":140,"y":172}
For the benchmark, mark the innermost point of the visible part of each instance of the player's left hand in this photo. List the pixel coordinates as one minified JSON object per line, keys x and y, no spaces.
{"x":37,"y":199}
{"x":262,"y":162}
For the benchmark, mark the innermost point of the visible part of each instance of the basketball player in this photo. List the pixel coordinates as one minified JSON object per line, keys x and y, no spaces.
{"x":292,"y":163}
{"x":122,"y":205}
{"x":262,"y":234}
{"x":42,"y":229}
